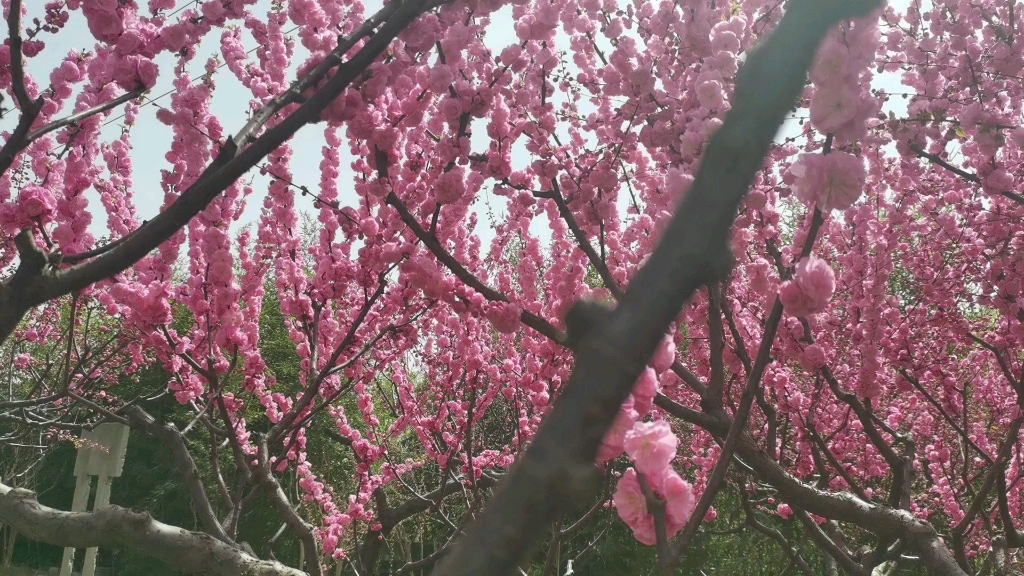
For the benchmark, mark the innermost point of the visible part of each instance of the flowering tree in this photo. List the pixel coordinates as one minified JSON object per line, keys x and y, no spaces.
{"x":848,"y":357}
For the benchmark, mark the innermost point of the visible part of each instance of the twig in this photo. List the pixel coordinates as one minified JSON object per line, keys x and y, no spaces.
{"x":79,"y":116}
{"x":938,"y":161}
{"x":656,"y":507}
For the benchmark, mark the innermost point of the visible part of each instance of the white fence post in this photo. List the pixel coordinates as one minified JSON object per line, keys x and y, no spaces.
{"x":101,"y":454}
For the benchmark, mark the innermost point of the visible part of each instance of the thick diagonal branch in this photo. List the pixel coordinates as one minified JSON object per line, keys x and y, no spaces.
{"x":557,"y":470}
{"x":169,"y":435}
{"x":279,"y":500}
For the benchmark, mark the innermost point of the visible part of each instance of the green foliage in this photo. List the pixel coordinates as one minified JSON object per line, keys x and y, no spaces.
{"x":151,"y":480}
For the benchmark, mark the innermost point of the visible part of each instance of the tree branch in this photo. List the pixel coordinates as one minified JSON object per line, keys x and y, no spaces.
{"x":79,"y":116}
{"x":29,"y":108}
{"x":25,"y":101}
{"x":430,"y":241}
{"x":842,"y":506}
{"x":113,"y":526}
{"x":791,"y":552}
{"x":279,"y":500}
{"x":231,"y":163}
{"x":557,"y":471}
{"x":973,"y":178}
{"x":169,"y":435}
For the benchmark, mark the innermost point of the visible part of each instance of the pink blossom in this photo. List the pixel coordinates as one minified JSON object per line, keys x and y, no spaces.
{"x":664,"y":354}
{"x":645,"y":390}
{"x":651,"y":445}
{"x":829,"y":181}
{"x":67,"y":72}
{"x":785,"y":511}
{"x":214,"y":10}
{"x":612,"y":443}
{"x":104,"y":22}
{"x":422,"y":33}
{"x":814,"y":357}
{"x":832,"y":107}
{"x":644,"y":531}
{"x":999,"y":181}
{"x":36,"y":201}
{"x":631,"y":503}
{"x":504,"y":316}
{"x":133,"y":72}
{"x":811,"y":288}
{"x":724,"y":41}
{"x":450,"y":186}
{"x":710,"y":95}
{"x":629,"y":499}
{"x":831,"y":64}
{"x":680,"y":500}
{"x":174,"y":37}
{"x":795,"y":300}
{"x":440,"y":77}
{"x":147,"y":72}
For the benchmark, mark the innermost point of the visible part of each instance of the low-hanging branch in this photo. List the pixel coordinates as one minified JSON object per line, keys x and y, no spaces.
{"x":192,"y":552}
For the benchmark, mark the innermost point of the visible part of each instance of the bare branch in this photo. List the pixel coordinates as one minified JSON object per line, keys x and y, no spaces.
{"x":973,"y":178}
{"x":25,"y":101}
{"x":279,"y":500}
{"x":29,"y":108}
{"x":791,"y":552}
{"x":79,"y":116}
{"x":169,"y":435}
{"x":113,"y":526}
{"x":842,"y":506}
{"x":837,"y":553}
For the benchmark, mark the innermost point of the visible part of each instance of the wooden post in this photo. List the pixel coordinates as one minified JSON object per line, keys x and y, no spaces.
{"x":101,"y":454}
{"x":102,"y":499}
{"x":12,"y":535}
{"x":79,"y":504}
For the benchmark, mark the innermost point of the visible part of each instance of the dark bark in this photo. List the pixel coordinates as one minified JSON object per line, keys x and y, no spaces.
{"x":169,"y":435}
{"x":113,"y":526}
{"x":557,"y":471}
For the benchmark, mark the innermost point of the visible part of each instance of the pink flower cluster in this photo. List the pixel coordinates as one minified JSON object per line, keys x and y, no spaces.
{"x":652,"y":448}
{"x":651,"y":445}
{"x":105,"y":19}
{"x":810,"y":289}
{"x":640,"y":402}
{"x":134,"y":72}
{"x":631,"y":503}
{"x":829,"y":181}
{"x":504,"y":316}
{"x":842,"y":102}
